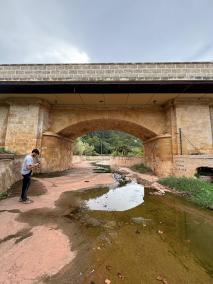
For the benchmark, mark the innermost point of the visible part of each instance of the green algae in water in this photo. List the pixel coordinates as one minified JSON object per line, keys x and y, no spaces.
{"x":162,"y":237}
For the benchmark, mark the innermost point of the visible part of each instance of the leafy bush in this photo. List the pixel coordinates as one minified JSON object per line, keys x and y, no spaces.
{"x":83,"y":148}
{"x":5,"y":151}
{"x":3,"y":195}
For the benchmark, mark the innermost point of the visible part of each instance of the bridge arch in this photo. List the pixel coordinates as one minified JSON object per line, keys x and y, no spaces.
{"x":57,"y":146}
{"x":149,"y":121}
{"x":83,"y":127}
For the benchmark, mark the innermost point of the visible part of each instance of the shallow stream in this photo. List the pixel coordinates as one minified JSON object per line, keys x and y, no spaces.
{"x":137,"y":237}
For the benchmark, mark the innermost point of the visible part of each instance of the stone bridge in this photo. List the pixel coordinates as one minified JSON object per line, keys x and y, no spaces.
{"x":167,"y":105}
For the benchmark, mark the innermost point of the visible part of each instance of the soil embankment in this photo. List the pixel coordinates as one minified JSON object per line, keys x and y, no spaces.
{"x":33,"y":243}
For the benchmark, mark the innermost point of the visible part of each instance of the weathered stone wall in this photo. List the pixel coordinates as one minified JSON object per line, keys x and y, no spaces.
{"x":113,"y":161}
{"x":22,"y":126}
{"x":195,"y":123}
{"x":78,"y":159}
{"x":26,"y":120}
{"x":56,"y":153}
{"x":3,"y":123}
{"x":10,"y":172}
{"x":211,"y":118}
{"x":43,"y":124}
{"x":125,"y":161}
{"x":186,"y":165}
{"x":158,"y":155}
{"x":107,"y":72}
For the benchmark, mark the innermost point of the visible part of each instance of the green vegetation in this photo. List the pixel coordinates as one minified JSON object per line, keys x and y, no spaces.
{"x":110,"y":142}
{"x":83,"y":148}
{"x":3,"y":195}
{"x":5,"y":151}
{"x":141,"y":168}
{"x":198,"y":191}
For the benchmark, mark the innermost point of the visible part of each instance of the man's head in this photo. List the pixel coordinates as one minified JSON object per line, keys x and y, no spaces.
{"x":35,"y":153}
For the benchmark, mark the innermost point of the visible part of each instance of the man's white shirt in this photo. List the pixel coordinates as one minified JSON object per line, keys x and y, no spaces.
{"x":28,"y":161}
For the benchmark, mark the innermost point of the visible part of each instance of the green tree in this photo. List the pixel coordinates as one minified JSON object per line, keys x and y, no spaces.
{"x":114,"y":142}
{"x":82,"y":148}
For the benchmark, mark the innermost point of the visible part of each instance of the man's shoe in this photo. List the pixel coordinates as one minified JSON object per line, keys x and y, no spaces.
{"x":28,"y":201}
{"x":20,"y":199}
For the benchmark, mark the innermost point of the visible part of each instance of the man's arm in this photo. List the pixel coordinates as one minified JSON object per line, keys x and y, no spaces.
{"x":30,"y":165}
{"x":33,"y":166}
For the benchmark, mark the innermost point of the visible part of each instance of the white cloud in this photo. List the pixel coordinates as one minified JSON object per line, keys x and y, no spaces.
{"x":59,"y":53}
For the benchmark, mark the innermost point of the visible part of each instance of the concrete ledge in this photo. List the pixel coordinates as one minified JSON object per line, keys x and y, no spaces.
{"x":52,"y":134}
{"x":196,"y":157}
{"x":162,"y":136}
{"x":7,"y":156}
{"x":10,"y":172}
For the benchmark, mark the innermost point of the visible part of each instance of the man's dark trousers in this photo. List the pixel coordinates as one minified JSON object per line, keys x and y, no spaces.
{"x":25,"y":186}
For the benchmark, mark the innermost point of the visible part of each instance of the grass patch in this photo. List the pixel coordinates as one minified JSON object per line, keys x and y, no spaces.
{"x":5,"y":151}
{"x":198,"y":191}
{"x":141,"y":168}
{"x":3,"y":195}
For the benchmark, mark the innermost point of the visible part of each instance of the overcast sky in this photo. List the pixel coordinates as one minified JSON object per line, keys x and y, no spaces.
{"x":78,"y":31}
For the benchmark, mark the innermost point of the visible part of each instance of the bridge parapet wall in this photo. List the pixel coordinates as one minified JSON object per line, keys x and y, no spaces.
{"x":107,"y":72}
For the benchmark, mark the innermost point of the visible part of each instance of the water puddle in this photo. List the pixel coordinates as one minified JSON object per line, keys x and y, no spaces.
{"x":118,"y":199}
{"x":140,"y":237}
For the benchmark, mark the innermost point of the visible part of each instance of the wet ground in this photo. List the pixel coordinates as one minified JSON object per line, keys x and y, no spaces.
{"x":98,"y":233}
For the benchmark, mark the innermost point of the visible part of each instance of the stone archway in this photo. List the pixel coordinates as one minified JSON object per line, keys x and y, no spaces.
{"x":83,"y":127}
{"x":57,"y":147}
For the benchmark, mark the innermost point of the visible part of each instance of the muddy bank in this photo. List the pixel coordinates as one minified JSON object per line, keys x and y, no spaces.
{"x":41,"y":227}
{"x":149,"y":181}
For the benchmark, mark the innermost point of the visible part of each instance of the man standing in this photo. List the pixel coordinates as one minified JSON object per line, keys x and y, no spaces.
{"x":26,"y":170}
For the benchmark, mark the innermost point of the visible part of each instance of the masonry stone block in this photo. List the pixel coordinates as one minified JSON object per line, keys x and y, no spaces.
{"x":4,"y":109}
{"x":26,"y":122}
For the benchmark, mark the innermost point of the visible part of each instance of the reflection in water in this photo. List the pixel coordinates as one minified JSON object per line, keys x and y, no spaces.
{"x":118,"y":199}
{"x":141,"y":238}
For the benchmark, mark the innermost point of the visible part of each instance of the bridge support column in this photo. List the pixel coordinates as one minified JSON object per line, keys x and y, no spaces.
{"x":4,"y":110}
{"x":56,"y":153}
{"x":158,"y":154}
{"x":191,"y":126}
{"x":26,"y":120}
